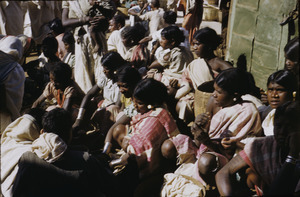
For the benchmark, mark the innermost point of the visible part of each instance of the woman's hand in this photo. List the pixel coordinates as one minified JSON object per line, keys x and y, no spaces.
{"x":228,"y":143}
{"x":202,"y":120}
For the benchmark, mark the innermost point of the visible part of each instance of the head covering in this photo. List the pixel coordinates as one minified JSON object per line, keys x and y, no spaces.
{"x":11,"y":45}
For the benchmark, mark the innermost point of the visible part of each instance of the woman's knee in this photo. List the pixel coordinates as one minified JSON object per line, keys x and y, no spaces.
{"x":168,"y":149}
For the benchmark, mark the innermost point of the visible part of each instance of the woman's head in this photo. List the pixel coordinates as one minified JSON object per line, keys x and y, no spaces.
{"x":170,"y":17}
{"x":281,"y":86}
{"x":229,"y":86}
{"x":60,"y":75}
{"x":291,"y":51}
{"x":131,"y":35}
{"x":128,"y":77}
{"x":171,"y":36}
{"x":111,"y":61}
{"x":69,"y":41}
{"x":149,"y":93}
{"x":205,"y":41}
{"x":58,"y":121}
{"x":116,"y":23}
{"x":49,"y":46}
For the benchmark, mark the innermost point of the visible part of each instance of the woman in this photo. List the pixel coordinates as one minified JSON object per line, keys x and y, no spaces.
{"x":282,"y":87}
{"x":217,"y":138}
{"x":152,"y":125}
{"x":200,"y":70}
{"x":274,"y":171}
{"x":110,"y":93}
{"x":74,"y":15}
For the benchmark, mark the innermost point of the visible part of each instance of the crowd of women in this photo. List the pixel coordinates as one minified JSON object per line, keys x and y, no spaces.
{"x":115,"y":110}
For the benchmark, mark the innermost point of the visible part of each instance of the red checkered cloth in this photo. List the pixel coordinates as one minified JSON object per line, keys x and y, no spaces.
{"x":150,"y":130}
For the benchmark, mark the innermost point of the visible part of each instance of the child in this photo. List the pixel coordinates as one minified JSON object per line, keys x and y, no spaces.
{"x":142,"y":140}
{"x":38,"y":70}
{"x":114,"y":42}
{"x":137,"y":54}
{"x":69,"y":42}
{"x":171,"y":58}
{"x":62,"y":88}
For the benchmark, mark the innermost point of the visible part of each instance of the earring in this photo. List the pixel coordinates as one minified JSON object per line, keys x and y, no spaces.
{"x":234,"y":99}
{"x":115,"y":72}
{"x":294,"y":95}
{"x":149,"y":106}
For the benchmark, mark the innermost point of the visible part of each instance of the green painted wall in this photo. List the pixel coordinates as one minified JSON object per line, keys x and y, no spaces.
{"x":254,"y":29}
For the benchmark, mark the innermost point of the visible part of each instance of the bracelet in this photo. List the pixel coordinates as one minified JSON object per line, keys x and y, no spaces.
{"x":107,"y":147}
{"x":290,"y":159}
{"x":81,"y":113}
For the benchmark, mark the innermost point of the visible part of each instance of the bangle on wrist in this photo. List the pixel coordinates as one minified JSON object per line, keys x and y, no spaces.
{"x":291,"y":160}
{"x":81,"y":113}
{"x":107,"y":147}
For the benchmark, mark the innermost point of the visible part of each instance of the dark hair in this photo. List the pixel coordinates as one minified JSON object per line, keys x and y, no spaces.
{"x":233,"y":80}
{"x":285,"y":78}
{"x":173,"y":33}
{"x":50,"y":44}
{"x":112,"y":60}
{"x":155,"y":3}
{"x":286,"y":121}
{"x":56,"y":26}
{"x":58,"y":121}
{"x":151,"y":92}
{"x":133,"y":33}
{"x":291,"y":49}
{"x":170,"y":17}
{"x":129,"y":75}
{"x":208,"y":37}
{"x":68,"y":38}
{"x":119,"y":19}
{"x":62,"y":72}
{"x":37,"y":114}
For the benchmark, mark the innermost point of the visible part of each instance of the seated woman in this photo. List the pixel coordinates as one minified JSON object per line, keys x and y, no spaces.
{"x":110,"y":93}
{"x":153,"y":124}
{"x":171,"y":59}
{"x":282,"y":87}
{"x":200,"y":70}
{"x":65,"y":92}
{"x":128,"y":78}
{"x":275,"y":171}
{"x":216,"y":139}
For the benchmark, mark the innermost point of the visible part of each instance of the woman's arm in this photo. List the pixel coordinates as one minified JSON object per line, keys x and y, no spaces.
{"x":38,"y":101}
{"x":156,"y":65}
{"x":109,"y":136}
{"x":73,"y":22}
{"x":90,"y":94}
